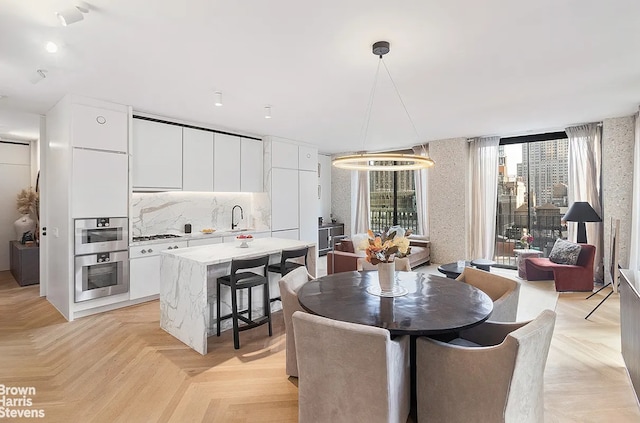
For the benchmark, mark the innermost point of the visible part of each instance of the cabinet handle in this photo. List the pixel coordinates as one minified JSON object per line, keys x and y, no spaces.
{"x":101,"y":120}
{"x":319,"y":192}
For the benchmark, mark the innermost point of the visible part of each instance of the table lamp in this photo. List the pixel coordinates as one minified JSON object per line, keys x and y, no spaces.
{"x":581,"y":211}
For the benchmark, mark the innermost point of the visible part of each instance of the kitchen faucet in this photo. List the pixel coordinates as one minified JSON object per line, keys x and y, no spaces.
{"x":234,"y":225}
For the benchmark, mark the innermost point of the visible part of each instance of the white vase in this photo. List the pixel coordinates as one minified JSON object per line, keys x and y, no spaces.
{"x":24,"y":224}
{"x":386,"y":276}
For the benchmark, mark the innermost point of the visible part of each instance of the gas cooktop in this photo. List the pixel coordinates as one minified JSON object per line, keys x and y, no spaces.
{"x":154,"y":237}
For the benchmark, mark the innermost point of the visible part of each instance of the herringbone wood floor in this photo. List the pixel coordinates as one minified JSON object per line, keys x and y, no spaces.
{"x":121,"y":367}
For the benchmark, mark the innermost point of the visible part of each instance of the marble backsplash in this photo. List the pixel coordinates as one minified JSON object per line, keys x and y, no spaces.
{"x":168,"y":212}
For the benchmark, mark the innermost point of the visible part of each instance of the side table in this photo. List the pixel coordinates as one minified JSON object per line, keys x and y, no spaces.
{"x":521,"y":255}
{"x":25,"y":265}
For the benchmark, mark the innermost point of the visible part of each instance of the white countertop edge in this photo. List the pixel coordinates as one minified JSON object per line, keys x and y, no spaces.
{"x":197,"y":235}
{"x":223,"y":253}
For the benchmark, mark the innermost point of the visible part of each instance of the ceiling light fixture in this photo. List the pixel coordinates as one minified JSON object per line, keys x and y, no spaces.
{"x":71,"y":15}
{"x":51,"y":47}
{"x":382,"y":161}
{"x":217,"y":98}
{"x":267,"y":112}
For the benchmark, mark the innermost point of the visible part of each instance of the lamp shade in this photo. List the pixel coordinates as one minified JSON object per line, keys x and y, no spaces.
{"x":581,"y":211}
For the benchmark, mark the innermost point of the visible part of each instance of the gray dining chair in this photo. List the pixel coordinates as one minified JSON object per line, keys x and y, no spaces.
{"x":493,"y":373}
{"x":504,"y":292}
{"x":350,"y":372}
{"x":289,"y":285}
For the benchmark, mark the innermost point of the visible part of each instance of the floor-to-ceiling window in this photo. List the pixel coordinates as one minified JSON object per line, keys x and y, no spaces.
{"x":392,"y":200}
{"x":532,"y":194}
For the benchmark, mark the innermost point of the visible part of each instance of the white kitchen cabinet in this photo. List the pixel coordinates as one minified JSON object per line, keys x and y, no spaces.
{"x":288,"y":234}
{"x":284,"y":199}
{"x":99,"y":186}
{"x":226,"y":163}
{"x":99,"y":128}
{"x":251,"y":165}
{"x":307,"y":158}
{"x":308,"y":212}
{"x":284,"y":155}
{"x":157,"y":156}
{"x":144,"y":268}
{"x":205,"y":240}
{"x":197,"y":160}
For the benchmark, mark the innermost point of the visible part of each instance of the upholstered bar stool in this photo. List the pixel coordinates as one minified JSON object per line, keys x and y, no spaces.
{"x":285,"y":266}
{"x":244,"y":280}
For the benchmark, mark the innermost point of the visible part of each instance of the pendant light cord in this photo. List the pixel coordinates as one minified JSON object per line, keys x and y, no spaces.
{"x":398,"y":93}
{"x":367,"y":116}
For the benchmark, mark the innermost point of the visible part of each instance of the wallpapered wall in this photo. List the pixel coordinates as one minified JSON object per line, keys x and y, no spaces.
{"x":617,"y":182}
{"x":447,"y":199}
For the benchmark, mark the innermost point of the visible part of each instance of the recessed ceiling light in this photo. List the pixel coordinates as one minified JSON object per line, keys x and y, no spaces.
{"x":217,"y":98}
{"x":267,"y":112}
{"x":51,"y":47}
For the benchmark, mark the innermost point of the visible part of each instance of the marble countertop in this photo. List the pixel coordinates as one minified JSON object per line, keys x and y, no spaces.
{"x":199,"y":235}
{"x":223,"y":253}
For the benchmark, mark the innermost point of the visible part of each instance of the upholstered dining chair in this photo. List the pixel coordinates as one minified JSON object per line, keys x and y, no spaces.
{"x":289,"y":285}
{"x":350,"y":372}
{"x":492,"y":373}
{"x":402,"y":264}
{"x":504,"y":292}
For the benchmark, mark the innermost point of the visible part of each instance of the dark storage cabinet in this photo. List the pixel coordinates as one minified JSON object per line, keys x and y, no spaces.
{"x":325,"y":233}
{"x":25,"y":263}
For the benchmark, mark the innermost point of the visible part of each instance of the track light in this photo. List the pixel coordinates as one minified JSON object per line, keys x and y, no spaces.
{"x":217,"y":98}
{"x":71,"y":15}
{"x":267,"y":112}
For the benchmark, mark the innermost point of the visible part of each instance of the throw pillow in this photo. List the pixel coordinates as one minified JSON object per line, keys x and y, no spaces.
{"x":565,"y":252}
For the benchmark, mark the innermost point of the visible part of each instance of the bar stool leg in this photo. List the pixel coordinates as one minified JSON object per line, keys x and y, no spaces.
{"x":218,"y":308}
{"x":249,"y":306}
{"x":267,"y":305}
{"x":234,"y":317}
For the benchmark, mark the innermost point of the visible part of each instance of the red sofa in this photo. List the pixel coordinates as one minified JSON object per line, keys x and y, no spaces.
{"x":345,"y":259}
{"x":567,"y":277}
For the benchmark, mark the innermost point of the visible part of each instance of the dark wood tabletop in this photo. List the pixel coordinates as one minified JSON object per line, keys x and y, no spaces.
{"x":434,"y":304}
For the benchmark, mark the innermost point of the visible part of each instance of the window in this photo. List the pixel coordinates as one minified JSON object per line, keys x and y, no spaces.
{"x":392,"y":200}
{"x":532,"y":194}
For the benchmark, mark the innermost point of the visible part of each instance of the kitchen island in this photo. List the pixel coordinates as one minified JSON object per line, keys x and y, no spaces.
{"x":188,"y":285}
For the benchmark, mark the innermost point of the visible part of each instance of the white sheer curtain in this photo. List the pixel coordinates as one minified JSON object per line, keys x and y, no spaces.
{"x":483,"y":196}
{"x":585,"y":155}
{"x":421,"y":180}
{"x":361,"y":222}
{"x":634,"y":254}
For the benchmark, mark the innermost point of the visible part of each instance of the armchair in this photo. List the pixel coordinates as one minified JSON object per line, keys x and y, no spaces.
{"x":578,"y":277}
{"x":504,"y":292}
{"x":494,"y":374}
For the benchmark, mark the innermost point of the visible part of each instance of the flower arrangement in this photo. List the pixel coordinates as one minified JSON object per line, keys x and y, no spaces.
{"x":28,"y":202}
{"x":526,"y":239}
{"x":386,"y":247}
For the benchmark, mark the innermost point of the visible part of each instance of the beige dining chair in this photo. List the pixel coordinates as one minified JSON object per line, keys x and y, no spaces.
{"x":402,"y":264}
{"x":350,"y":372}
{"x":289,"y":286}
{"x":504,"y":292}
{"x":492,"y":373}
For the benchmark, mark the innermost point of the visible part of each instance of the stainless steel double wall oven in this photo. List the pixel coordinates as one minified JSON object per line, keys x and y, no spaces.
{"x":101,"y":257}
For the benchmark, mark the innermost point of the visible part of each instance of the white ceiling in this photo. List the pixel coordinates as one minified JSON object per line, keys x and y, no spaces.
{"x":463,"y":68}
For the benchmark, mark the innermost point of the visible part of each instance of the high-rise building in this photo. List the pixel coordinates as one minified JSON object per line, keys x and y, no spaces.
{"x":547,"y":166}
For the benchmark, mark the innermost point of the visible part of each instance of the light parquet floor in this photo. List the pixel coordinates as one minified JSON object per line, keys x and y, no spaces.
{"x":121,"y":367}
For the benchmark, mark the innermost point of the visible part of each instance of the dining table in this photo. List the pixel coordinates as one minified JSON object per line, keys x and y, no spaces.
{"x":433,"y":306}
